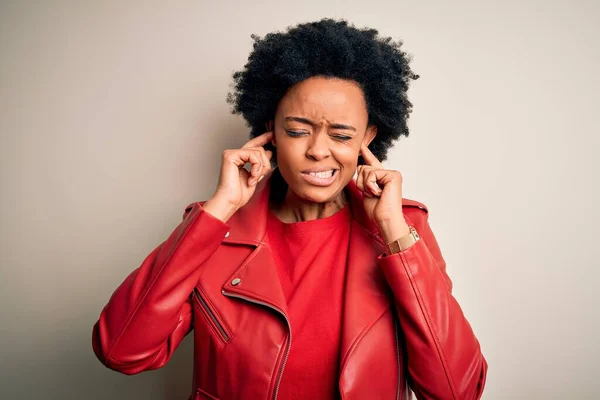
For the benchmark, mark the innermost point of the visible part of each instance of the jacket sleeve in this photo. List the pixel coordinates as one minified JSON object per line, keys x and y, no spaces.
{"x":444,"y":356}
{"x":150,"y":313}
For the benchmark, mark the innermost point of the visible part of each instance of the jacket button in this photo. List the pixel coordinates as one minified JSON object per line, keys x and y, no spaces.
{"x":227,"y":234}
{"x":236,"y":281}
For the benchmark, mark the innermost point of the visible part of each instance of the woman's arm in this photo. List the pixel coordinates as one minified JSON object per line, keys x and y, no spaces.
{"x":150,"y":312}
{"x":444,"y":356}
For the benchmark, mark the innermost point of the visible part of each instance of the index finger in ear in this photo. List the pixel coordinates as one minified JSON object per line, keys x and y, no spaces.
{"x":259,"y":140}
{"x":369,"y":157}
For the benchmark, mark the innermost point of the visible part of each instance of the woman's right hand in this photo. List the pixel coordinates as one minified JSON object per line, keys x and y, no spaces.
{"x":236,"y":185}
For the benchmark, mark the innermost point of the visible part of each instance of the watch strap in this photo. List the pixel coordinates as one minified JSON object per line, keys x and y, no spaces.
{"x":404,"y":242}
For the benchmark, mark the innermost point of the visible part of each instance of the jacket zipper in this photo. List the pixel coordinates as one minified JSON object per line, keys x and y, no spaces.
{"x":212,"y":316}
{"x":289,"y":344}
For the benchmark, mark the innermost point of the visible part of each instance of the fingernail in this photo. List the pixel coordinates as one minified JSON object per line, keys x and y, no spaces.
{"x":261,"y":178}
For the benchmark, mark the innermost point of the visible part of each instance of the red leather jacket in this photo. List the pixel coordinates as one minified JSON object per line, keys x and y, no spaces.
{"x":401,"y":324}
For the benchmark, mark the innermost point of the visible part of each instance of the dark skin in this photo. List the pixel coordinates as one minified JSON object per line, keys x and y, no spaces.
{"x":321,"y":123}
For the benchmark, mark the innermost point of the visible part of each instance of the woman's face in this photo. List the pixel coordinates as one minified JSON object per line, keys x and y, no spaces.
{"x":320,"y":125}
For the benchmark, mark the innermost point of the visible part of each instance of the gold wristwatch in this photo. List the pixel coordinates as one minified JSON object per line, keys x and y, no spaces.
{"x":404,"y":242}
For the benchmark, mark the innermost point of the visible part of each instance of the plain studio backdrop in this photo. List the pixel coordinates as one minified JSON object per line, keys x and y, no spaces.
{"x":113,"y":118}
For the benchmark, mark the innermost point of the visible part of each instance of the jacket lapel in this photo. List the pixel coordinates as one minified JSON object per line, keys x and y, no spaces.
{"x":367,"y":294}
{"x":258,"y":277}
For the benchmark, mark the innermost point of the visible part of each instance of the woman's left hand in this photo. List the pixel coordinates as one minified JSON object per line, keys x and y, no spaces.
{"x":382,"y":189}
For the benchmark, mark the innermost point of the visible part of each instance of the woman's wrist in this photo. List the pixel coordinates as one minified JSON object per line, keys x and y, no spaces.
{"x":218,"y":208}
{"x":391,"y":230}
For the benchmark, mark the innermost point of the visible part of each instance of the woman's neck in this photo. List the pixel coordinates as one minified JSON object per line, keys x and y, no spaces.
{"x":294,"y":209}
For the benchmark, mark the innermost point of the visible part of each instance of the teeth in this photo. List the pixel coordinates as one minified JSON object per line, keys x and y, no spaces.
{"x":323,"y":174}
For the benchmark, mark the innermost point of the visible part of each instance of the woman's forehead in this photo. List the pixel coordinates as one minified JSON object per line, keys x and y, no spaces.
{"x":324,"y":100}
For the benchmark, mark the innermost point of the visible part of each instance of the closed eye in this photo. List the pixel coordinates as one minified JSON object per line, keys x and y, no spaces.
{"x":342,"y":137}
{"x":300,"y":133}
{"x":295,"y":133}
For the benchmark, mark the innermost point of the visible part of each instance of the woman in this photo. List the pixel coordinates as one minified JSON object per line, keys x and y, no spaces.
{"x":300,"y":282}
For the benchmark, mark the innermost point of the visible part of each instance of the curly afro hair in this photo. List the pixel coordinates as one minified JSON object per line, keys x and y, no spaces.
{"x":328,"y":48}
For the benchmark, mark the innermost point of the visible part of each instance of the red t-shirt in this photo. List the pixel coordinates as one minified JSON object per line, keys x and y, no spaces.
{"x":311,"y":262}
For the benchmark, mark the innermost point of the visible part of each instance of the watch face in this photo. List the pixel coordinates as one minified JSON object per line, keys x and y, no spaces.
{"x":393,"y":247}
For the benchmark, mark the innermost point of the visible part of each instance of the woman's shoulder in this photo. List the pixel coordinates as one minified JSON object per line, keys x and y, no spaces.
{"x":408,"y":203}
{"x":415,"y":213}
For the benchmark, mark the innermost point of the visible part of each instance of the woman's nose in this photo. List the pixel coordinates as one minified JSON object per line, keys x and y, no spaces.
{"x":318,"y":148}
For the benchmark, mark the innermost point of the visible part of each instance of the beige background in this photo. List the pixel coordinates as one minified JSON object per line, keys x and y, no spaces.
{"x":113,"y":117}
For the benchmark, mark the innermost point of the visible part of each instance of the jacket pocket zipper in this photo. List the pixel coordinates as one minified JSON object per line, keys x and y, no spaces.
{"x":289,"y":341}
{"x":397,"y":334}
{"x":215,"y":322}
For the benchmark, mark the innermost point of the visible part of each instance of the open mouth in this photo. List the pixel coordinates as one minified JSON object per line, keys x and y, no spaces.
{"x":321,"y":178}
{"x":323,"y":174}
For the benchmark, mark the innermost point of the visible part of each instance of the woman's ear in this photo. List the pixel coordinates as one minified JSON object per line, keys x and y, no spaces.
{"x":370,"y":134}
{"x":269,"y":127}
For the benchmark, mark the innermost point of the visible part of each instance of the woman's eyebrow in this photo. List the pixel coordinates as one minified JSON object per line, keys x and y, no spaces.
{"x":309,"y":122}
